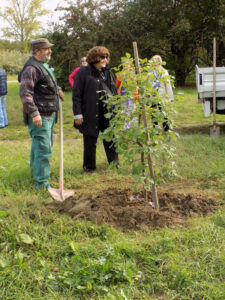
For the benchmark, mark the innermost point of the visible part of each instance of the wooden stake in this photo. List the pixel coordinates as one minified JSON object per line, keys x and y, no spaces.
{"x":214,"y":131}
{"x":214,"y":84}
{"x":147,"y":138}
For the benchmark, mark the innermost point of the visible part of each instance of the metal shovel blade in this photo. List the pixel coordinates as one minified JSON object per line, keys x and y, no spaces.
{"x":60,"y":195}
{"x":215,"y":131}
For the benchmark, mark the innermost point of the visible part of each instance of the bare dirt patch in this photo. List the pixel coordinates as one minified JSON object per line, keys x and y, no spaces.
{"x":127,"y":210}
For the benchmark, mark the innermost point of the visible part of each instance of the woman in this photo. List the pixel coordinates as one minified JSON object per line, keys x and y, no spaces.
{"x":71,"y":77}
{"x":162,"y":85}
{"x":91,"y":84}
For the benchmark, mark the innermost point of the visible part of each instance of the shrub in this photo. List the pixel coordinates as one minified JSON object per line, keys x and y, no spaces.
{"x":136,"y":126}
{"x":12,"y":61}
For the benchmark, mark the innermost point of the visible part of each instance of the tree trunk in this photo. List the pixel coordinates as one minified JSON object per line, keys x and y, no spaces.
{"x":180,"y":77}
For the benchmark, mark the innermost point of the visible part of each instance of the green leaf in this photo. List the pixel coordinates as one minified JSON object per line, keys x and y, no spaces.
{"x":80,"y":287}
{"x":3,"y":214}
{"x":4,"y":262}
{"x":138,"y":169}
{"x":123,"y":172}
{"x":26,"y":239}
{"x":89,"y":286}
{"x":73,"y":246}
{"x":108,"y":115}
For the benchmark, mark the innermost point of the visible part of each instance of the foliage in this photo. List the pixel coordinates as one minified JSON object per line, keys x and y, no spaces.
{"x":9,"y":45}
{"x":128,"y":129}
{"x":74,"y":38}
{"x":85,"y":25}
{"x":179,"y":30}
{"x":11,"y":69}
{"x":12,"y":61}
{"x":60,"y":58}
{"x":22,"y":17}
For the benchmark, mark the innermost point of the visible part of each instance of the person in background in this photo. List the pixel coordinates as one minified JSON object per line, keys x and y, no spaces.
{"x":122,"y":81}
{"x":3,"y":93}
{"x":91,"y":86}
{"x":162,"y":84}
{"x":40,"y":95}
{"x":71,"y":77}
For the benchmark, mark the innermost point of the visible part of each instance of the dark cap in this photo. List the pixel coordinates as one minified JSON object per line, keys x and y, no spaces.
{"x":41,"y":44}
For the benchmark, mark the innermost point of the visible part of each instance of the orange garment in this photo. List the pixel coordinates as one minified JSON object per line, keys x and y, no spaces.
{"x":118,"y":84}
{"x":121,"y":90}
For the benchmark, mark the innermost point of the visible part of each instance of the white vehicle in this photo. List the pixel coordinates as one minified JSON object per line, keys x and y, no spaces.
{"x":204,"y":83}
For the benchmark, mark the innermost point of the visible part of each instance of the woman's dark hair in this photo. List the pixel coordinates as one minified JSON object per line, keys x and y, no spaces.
{"x":93,"y":56}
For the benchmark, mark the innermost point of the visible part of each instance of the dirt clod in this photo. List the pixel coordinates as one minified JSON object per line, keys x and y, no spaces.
{"x":126,"y":210}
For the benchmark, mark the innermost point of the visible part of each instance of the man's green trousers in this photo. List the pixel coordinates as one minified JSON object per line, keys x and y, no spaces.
{"x":41,"y":150}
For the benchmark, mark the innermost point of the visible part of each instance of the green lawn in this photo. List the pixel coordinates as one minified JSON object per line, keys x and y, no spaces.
{"x":46,"y":255}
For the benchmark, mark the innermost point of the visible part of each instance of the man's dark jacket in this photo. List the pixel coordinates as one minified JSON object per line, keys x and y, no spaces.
{"x":87,"y":90}
{"x":46,"y":96}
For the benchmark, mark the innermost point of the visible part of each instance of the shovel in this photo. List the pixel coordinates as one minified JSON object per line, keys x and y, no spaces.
{"x":60,"y":194}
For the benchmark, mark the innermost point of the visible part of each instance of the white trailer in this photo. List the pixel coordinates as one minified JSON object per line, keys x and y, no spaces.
{"x":204,"y":83}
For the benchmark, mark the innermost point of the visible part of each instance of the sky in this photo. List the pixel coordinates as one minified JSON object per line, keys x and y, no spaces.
{"x":49,"y":4}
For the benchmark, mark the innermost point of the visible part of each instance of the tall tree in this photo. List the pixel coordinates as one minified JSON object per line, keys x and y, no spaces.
{"x":180,"y":30}
{"x":23,"y":21}
{"x":86,"y":23}
{"x":77,"y":34}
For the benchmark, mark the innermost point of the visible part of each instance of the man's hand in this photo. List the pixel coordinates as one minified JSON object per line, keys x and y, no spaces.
{"x":78,"y":122}
{"x":61,"y":95}
{"x":37,"y":121}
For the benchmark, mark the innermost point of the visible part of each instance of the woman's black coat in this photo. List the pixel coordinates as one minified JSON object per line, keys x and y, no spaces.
{"x":87,"y":90}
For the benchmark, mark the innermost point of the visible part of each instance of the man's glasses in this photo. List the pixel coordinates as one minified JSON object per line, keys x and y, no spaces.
{"x":104,"y":56}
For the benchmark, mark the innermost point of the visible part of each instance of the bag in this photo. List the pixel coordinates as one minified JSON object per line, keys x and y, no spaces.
{"x":106,"y":89}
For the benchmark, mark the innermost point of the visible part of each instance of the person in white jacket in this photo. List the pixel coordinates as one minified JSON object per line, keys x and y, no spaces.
{"x":162,"y":84}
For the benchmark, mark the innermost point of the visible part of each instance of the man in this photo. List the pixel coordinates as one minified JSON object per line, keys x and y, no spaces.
{"x":40,"y":95}
{"x":3,"y":93}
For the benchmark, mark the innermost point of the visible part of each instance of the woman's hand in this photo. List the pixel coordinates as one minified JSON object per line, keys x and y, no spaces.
{"x":78,"y":122}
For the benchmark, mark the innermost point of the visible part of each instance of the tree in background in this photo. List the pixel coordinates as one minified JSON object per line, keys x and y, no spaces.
{"x":86,"y":23}
{"x":11,"y":59}
{"x":181,"y":31}
{"x":212,"y":16}
{"x":74,"y":37}
{"x":22,"y":17}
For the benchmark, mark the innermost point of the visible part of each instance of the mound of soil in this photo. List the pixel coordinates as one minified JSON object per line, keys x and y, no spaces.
{"x":127,"y":210}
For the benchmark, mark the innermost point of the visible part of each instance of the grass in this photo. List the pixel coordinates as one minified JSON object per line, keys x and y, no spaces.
{"x":44,"y":255}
